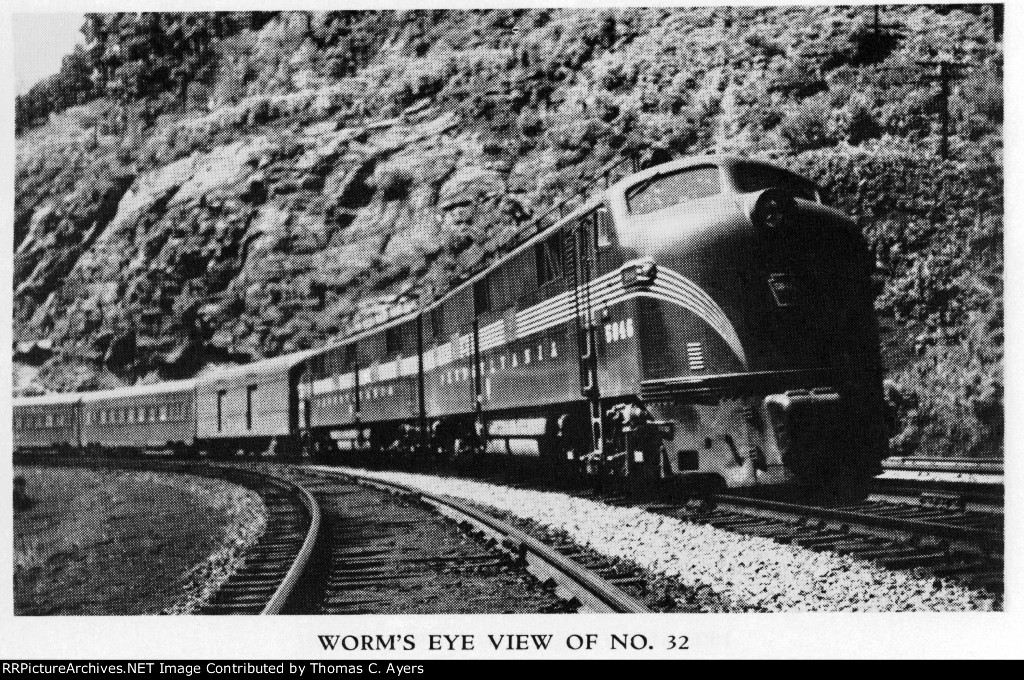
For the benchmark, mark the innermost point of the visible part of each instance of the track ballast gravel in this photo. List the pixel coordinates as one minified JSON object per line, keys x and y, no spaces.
{"x":748,"y":571}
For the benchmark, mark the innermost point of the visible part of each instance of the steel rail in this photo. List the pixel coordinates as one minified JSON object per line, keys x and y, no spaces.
{"x":990,"y":535}
{"x":591,"y":590}
{"x":979,"y":467}
{"x":283,"y":594}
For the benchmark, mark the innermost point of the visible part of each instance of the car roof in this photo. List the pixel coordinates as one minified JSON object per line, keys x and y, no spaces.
{"x":277,"y":364}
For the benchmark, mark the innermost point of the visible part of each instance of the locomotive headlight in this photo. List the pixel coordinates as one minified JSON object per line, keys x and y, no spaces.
{"x":772,"y":208}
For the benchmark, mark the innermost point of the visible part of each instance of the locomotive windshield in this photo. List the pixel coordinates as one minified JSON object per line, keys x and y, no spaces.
{"x":755,"y":177}
{"x":663,"y":191}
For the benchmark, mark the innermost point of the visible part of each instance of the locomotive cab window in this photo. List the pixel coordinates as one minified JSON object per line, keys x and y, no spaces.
{"x":664,"y":191}
{"x":750,"y":177}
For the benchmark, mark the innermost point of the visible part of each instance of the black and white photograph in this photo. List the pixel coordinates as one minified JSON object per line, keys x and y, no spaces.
{"x":331,"y":320}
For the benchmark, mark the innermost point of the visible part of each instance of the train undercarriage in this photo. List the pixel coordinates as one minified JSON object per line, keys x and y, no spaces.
{"x":797,"y":437}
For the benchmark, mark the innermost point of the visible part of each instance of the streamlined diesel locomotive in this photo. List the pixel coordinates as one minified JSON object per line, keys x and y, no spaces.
{"x":706,"y":318}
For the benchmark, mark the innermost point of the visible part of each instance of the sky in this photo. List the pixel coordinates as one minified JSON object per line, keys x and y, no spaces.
{"x":40,"y":42}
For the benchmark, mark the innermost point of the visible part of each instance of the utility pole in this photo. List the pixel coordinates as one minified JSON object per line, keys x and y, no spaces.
{"x":947,"y":72}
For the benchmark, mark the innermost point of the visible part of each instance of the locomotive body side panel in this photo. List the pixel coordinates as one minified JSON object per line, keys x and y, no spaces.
{"x":332,"y":381}
{"x":388,"y":383}
{"x":448,"y":379}
{"x":527,"y":341}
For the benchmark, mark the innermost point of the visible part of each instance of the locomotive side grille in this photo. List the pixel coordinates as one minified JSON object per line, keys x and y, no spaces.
{"x":695,"y":356}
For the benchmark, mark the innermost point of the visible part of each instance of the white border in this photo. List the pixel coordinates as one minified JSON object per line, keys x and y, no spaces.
{"x":973,"y":635}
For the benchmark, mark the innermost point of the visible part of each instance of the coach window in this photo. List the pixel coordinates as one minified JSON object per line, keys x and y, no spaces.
{"x":482,"y":296}
{"x":162,"y":415}
{"x":249,"y":391}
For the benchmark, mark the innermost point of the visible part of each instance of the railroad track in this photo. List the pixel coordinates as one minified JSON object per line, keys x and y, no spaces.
{"x":941,"y":540}
{"x":923,"y":527}
{"x":339,"y":544}
{"x":927,"y":525}
{"x":976,"y":484}
{"x":394,"y":549}
{"x":275,"y":566}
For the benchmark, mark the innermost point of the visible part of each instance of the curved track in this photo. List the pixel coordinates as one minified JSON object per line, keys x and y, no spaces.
{"x":921,"y":526}
{"x":275,"y":565}
{"x":358,"y":557}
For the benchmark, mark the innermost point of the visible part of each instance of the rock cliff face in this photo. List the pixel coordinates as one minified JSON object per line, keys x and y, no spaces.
{"x":328,"y":172}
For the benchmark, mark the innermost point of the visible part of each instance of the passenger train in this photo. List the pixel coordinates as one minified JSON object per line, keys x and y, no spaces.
{"x":709,"y":318}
